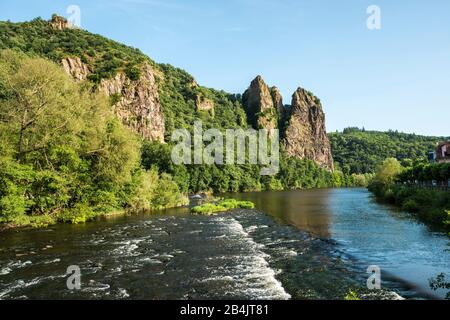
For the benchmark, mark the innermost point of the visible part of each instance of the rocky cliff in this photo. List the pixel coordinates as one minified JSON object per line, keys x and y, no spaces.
{"x":59,"y":23}
{"x":302,"y":125}
{"x":204,"y":104}
{"x":76,"y":68}
{"x":278,"y":104}
{"x":305,"y":134}
{"x":140,"y":88}
{"x":259,"y":105}
{"x":136,"y":102}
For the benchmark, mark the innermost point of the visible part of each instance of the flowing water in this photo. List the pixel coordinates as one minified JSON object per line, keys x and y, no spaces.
{"x":295,"y":245}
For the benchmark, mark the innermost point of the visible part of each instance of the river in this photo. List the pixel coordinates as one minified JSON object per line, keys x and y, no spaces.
{"x":296,"y":245}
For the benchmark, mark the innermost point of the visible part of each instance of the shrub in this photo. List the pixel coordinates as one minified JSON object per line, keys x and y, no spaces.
{"x":447,"y":218}
{"x":133,"y":72}
{"x":81,"y":213}
{"x":389,"y":195}
{"x":50,"y":192}
{"x":167,"y":194}
{"x":15,"y":181}
{"x":351,"y":295}
{"x":221,"y":206}
{"x":156,"y":192}
{"x":208,"y":208}
{"x":410,"y":205}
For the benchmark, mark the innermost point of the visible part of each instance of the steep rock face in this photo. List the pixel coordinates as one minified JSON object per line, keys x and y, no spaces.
{"x":137,"y":104}
{"x":76,"y":68}
{"x":305,"y":134}
{"x":259,"y":106}
{"x":204,"y":104}
{"x":59,"y":23}
{"x":278,"y":104}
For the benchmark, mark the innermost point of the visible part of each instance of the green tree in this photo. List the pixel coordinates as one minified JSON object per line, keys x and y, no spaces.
{"x":63,"y":153}
{"x":388,"y":172}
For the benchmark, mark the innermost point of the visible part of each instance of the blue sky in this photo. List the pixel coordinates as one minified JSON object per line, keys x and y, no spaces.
{"x":394,"y":78}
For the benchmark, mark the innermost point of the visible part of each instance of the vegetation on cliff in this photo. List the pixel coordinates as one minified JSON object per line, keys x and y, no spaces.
{"x":105,"y":57}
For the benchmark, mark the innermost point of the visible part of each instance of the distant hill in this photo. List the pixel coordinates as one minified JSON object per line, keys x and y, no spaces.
{"x":359,"y":151}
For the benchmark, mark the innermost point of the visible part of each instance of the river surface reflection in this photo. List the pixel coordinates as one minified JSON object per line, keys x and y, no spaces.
{"x":372,"y":232}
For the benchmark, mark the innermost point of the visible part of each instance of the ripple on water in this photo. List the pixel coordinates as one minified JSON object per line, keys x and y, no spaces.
{"x":251,"y":274}
{"x":239,"y":255}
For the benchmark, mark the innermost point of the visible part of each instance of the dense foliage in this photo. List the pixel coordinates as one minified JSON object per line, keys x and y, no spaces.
{"x":402,"y":187}
{"x":360,"y":151}
{"x":63,"y":154}
{"x":294,"y":174}
{"x":178,"y":92}
{"x":104,"y":56}
{"x":426,"y":173}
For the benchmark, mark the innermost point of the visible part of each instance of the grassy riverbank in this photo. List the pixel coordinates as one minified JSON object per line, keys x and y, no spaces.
{"x":392,"y":184}
{"x":44,"y":221}
{"x":430,"y":206}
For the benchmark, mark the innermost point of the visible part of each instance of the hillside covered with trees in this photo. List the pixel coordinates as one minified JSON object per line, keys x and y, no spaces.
{"x":360,"y":151}
{"x":65,"y":156}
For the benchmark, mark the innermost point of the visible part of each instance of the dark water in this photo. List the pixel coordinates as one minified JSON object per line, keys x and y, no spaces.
{"x":311,"y":245}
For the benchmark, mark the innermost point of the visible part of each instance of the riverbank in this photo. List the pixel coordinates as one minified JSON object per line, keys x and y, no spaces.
{"x":44,"y":221}
{"x":87,"y":215}
{"x":36,"y":222}
{"x":429,"y":206}
{"x":202,"y":206}
{"x":400,"y":186}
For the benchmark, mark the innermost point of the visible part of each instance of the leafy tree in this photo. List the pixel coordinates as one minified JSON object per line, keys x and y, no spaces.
{"x":63,"y":152}
{"x":388,"y":172}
